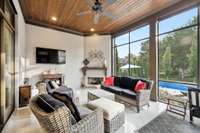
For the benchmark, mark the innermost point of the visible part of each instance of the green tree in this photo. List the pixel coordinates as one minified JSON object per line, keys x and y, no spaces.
{"x":192,"y":58}
{"x":167,"y":62}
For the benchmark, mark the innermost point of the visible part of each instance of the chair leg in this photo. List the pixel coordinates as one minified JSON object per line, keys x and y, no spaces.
{"x":191,"y":117}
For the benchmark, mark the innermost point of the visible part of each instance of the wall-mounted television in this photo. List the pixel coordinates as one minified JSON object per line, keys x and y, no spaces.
{"x":50,"y":56}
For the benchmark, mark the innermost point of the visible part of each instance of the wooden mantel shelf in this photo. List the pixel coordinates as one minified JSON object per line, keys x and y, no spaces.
{"x":56,"y":76}
{"x":85,"y":69}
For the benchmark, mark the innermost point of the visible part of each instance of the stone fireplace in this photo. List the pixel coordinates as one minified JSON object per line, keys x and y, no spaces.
{"x":93,"y":81}
{"x":93,"y":76}
{"x":94,"y":69}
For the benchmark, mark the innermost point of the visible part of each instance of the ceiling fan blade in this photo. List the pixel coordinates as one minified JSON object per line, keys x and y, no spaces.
{"x":109,"y":15}
{"x":110,"y":2}
{"x":83,"y":13}
{"x":96,"y":18}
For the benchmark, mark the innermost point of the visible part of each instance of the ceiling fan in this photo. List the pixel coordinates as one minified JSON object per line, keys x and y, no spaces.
{"x":96,"y":7}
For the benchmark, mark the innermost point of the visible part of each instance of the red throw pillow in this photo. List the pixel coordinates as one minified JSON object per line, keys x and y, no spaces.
{"x":109,"y":81}
{"x":140,"y":86}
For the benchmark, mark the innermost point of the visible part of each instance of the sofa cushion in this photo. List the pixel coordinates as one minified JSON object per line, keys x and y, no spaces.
{"x":67,"y":100}
{"x":113,"y":89}
{"x":128,"y":93}
{"x":117,"y":81}
{"x":127,"y":83}
{"x":110,"y":108}
{"x":47,"y":103}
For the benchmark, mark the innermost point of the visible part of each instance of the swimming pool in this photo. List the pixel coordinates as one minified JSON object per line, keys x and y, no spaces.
{"x":176,"y":86}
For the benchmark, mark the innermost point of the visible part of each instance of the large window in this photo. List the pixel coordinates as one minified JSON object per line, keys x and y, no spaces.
{"x":131,"y":53}
{"x":178,"y":55}
{"x":175,"y":43}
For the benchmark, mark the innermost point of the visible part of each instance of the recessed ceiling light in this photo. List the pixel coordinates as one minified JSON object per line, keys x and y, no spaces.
{"x":92,"y":29}
{"x":54,"y":18}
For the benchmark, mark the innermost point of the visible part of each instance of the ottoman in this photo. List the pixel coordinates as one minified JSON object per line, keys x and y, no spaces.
{"x":113,"y":113}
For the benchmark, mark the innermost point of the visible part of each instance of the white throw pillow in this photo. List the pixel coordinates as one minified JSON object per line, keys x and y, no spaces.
{"x":54,"y":84}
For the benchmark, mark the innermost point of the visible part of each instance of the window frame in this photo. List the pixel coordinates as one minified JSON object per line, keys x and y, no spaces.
{"x":179,"y":29}
{"x":153,"y":43}
{"x":129,"y":46}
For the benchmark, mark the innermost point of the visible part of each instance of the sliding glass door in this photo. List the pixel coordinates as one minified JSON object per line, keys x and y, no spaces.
{"x":7,"y":60}
{"x":7,"y":71}
{"x":178,"y":54}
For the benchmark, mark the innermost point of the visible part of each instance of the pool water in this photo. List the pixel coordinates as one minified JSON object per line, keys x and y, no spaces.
{"x":175,"y":86}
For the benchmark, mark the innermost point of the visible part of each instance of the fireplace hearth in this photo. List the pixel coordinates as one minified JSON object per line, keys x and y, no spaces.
{"x":94,"y":80}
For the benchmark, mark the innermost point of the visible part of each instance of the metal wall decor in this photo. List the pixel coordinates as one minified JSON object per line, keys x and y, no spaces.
{"x":96,"y":55}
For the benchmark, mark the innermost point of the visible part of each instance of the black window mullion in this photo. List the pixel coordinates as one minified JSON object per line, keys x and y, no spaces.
{"x":129,"y":56}
{"x":179,"y":29}
{"x":198,"y":48}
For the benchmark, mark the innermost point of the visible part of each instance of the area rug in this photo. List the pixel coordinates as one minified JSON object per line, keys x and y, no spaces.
{"x":166,"y":123}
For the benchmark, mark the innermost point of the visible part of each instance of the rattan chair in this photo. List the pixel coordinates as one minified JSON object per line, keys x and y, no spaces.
{"x":59,"y":120}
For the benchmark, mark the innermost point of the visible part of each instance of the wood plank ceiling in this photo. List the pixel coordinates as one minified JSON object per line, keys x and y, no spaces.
{"x":128,"y":11}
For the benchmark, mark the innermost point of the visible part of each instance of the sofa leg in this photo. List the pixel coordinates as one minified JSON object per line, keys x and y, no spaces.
{"x":191,"y":118}
{"x":138,"y":109}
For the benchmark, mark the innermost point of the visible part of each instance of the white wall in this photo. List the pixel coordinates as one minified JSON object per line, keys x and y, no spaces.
{"x":48,"y":38}
{"x":99,"y":42}
{"x":20,"y":37}
{"x":27,"y":37}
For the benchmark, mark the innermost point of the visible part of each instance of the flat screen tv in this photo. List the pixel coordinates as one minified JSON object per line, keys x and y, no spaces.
{"x":50,"y":56}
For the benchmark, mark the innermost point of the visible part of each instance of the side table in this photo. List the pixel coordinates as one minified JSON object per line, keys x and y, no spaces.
{"x":24,"y":95}
{"x":177,"y":105}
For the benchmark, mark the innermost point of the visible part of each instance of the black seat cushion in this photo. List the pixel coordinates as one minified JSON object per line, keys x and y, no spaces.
{"x":47,"y":103}
{"x":117,"y":81}
{"x":67,"y":100}
{"x":128,"y":94}
{"x":127,"y":83}
{"x":113,"y":89}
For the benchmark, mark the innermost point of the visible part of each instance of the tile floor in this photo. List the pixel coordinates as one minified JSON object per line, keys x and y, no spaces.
{"x":23,"y":121}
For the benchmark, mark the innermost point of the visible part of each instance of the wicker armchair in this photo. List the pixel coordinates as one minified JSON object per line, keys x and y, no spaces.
{"x":59,"y":120}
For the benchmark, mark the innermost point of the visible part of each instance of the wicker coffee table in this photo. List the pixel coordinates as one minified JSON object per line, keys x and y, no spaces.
{"x":98,"y":93}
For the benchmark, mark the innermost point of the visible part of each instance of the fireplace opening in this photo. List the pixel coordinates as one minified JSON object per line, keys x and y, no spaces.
{"x":95,"y":80}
